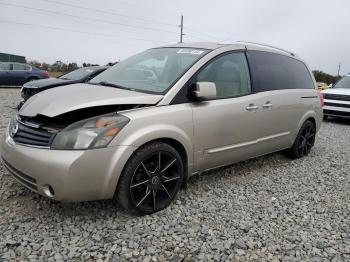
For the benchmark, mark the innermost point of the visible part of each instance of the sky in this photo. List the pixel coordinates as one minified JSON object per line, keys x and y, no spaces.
{"x":110,"y":30}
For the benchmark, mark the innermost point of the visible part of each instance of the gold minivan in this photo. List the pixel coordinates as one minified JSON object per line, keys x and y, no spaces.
{"x":141,"y":128}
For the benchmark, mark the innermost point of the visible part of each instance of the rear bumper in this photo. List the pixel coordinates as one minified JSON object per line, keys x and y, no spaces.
{"x":74,"y":175}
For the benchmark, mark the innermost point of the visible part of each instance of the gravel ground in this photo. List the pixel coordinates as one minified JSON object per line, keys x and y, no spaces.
{"x":266,"y":209}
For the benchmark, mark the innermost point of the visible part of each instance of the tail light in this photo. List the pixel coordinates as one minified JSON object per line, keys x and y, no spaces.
{"x":320,"y":95}
{"x":46,"y":74}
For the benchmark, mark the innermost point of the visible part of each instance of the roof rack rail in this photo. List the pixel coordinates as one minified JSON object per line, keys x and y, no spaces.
{"x":266,"y":45}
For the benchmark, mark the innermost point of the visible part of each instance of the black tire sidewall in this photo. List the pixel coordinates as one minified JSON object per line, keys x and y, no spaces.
{"x":123,"y":188}
{"x":294,"y":153}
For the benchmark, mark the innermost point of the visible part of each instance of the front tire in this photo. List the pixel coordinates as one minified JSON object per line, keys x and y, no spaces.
{"x":151,"y":179}
{"x":304,"y":141}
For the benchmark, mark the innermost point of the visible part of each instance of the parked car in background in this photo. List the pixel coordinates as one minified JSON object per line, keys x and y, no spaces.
{"x":138,"y":136}
{"x":322,"y":86}
{"x":80,"y":75}
{"x":16,"y":74}
{"x":337,"y":99}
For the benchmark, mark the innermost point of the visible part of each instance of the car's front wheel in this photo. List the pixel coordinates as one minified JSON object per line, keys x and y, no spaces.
{"x":304,"y":141}
{"x":151,"y":179}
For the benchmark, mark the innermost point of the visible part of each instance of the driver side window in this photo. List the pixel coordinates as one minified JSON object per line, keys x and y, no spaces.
{"x":230,"y":74}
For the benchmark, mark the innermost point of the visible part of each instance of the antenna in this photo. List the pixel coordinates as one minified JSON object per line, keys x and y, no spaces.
{"x":181,"y":29}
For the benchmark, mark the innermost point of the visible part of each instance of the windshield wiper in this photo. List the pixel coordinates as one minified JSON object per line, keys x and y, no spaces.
{"x":104,"y":83}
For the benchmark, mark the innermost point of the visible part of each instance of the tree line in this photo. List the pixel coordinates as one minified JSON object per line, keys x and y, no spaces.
{"x":60,"y":66}
{"x":323,"y":77}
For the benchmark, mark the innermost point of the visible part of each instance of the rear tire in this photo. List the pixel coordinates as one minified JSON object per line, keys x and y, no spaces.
{"x":304,"y":141}
{"x":151,"y":179}
{"x":31,"y":79}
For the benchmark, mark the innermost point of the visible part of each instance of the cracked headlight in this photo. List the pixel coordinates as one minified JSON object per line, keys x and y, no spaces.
{"x":90,"y":133}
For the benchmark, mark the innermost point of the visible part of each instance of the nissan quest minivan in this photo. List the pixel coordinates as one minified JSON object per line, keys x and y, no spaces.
{"x":141,"y":128}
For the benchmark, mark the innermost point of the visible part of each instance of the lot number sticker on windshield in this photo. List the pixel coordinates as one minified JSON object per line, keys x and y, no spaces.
{"x":190,"y":51}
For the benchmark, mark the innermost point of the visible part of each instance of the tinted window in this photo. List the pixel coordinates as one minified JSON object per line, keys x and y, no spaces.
{"x":20,"y":67}
{"x":4,"y":67}
{"x":229,"y":73}
{"x":274,"y":72}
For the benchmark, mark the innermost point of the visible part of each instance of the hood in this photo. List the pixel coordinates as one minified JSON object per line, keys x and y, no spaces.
{"x":57,"y":101}
{"x":337,"y":91}
{"x":49,"y":82}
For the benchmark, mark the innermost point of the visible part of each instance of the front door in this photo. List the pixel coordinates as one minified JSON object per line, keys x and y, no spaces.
{"x":4,"y":74}
{"x":225,"y":129}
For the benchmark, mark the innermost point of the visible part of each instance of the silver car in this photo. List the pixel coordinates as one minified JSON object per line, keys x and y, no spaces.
{"x":141,"y":128}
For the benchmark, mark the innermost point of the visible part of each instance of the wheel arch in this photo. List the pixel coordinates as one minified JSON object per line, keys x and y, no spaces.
{"x":311,"y":116}
{"x":179,"y":147}
{"x":31,"y":78}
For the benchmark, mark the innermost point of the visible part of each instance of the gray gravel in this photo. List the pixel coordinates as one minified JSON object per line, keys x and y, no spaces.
{"x":266,"y":209}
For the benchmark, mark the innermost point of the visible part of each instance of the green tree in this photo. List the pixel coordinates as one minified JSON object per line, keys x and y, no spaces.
{"x":321,"y":76}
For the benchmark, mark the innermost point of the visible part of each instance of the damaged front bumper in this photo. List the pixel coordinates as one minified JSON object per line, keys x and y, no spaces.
{"x":66,"y":175}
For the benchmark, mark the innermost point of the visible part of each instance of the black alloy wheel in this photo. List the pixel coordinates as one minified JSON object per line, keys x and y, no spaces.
{"x":304,"y":141}
{"x":152,"y":179}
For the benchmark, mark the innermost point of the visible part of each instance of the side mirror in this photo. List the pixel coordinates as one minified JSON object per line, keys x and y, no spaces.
{"x":204,"y":90}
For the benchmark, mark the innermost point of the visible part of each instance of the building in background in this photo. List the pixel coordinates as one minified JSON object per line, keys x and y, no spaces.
{"x":12,"y":58}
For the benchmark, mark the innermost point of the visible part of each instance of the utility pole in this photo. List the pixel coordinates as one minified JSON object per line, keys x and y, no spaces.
{"x":181,"y":28}
{"x":339,"y":66}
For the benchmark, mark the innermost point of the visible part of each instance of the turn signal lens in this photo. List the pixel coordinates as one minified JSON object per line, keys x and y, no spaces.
{"x":112,"y":132}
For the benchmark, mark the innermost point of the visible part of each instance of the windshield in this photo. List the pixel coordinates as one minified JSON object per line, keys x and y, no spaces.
{"x":343,"y":83}
{"x":77,"y":74}
{"x":152,"y":71}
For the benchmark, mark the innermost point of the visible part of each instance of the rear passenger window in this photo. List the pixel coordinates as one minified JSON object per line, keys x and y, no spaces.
{"x":229,"y":73}
{"x":275,"y":72}
{"x":19,"y":67}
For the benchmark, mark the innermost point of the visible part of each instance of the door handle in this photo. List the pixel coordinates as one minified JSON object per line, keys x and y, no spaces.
{"x":267,"y":105}
{"x":252,"y":107}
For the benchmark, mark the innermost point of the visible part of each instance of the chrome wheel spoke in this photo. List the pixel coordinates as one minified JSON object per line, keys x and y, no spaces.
{"x":166,"y":179}
{"x":168,"y":165}
{"x":159,"y":158}
{"x":143,"y":199}
{"x":154,"y":198}
{"x":146,"y":170}
{"x":140,"y":183}
{"x":166,"y":191}
{"x":310,"y":136}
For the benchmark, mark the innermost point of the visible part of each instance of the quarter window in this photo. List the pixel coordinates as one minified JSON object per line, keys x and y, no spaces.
{"x":5,"y":67}
{"x":275,"y":72}
{"x":20,"y":67}
{"x":229,"y":73}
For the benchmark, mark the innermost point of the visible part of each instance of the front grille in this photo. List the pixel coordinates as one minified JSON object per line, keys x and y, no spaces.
{"x":337,"y":97}
{"x":26,"y":180}
{"x":336,"y":113}
{"x":32,"y":136}
{"x":337,"y":105}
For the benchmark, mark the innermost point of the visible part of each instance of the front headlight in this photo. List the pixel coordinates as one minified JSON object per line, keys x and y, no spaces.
{"x":90,"y":133}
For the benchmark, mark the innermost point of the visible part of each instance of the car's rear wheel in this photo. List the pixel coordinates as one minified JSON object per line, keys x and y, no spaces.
{"x":31,"y":79}
{"x":304,"y":141}
{"x":151,"y":179}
